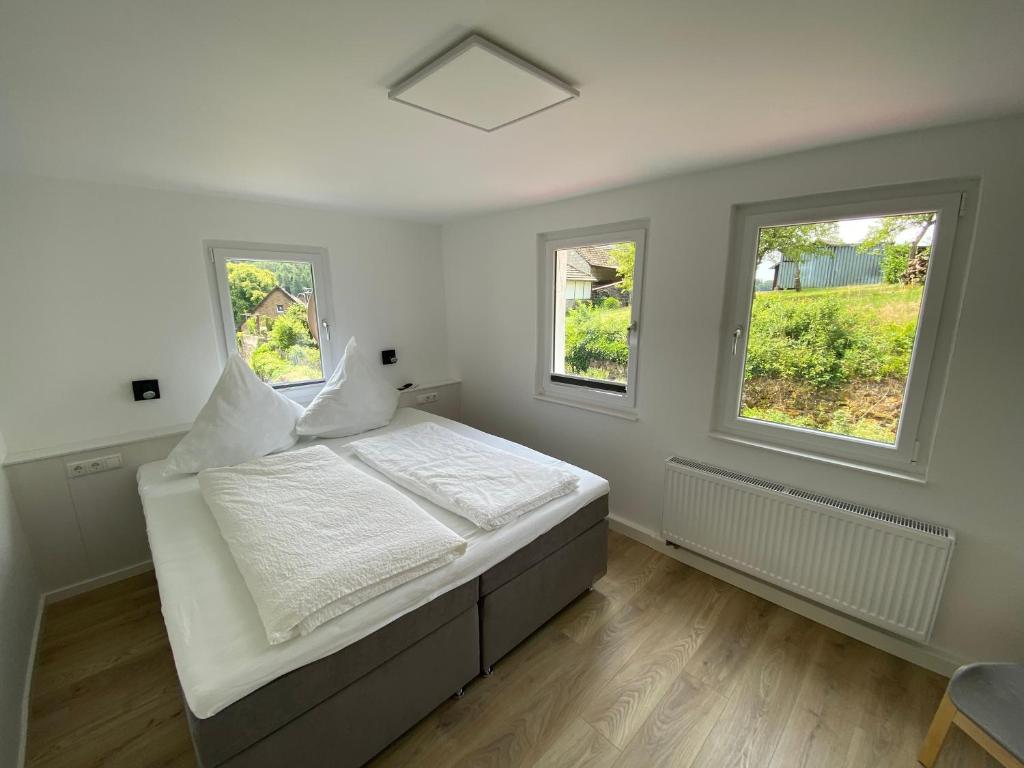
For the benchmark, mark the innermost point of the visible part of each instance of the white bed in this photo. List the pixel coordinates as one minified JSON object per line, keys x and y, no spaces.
{"x":219,"y":643}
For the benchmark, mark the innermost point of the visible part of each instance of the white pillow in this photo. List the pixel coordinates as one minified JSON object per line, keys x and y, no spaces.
{"x":243,"y":420}
{"x":356,"y":398}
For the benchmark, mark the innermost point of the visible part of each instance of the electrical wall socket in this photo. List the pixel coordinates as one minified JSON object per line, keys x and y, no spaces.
{"x":427,"y":397}
{"x":93,"y":465}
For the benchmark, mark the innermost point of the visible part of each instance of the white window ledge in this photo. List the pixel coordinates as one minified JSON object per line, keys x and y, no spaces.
{"x":302,"y":394}
{"x":900,"y":474}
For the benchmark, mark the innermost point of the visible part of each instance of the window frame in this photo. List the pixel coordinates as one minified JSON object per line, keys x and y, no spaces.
{"x":940,"y":305}
{"x":567,"y":389}
{"x":219,"y":252}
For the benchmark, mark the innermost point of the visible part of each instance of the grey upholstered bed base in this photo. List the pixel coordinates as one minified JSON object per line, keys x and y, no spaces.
{"x":343,"y":709}
{"x":511,"y":613}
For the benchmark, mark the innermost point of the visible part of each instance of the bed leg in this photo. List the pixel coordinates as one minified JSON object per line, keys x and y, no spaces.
{"x":488,"y":671}
{"x":459,"y":693}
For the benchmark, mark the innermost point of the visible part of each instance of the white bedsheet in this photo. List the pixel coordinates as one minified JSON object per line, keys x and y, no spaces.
{"x":486,"y":485}
{"x":219,"y":643}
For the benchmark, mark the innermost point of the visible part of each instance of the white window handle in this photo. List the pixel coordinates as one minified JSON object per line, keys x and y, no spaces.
{"x":736,"y":339}
{"x":327,"y":328}
{"x":631,"y":330}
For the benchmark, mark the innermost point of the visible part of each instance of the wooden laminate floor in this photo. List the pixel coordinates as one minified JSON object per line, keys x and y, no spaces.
{"x":661,"y":665}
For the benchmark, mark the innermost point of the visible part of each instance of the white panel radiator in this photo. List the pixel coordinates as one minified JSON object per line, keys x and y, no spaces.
{"x":878,"y":567}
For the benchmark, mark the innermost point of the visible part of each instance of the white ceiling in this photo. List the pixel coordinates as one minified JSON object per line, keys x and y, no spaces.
{"x":287,"y":99}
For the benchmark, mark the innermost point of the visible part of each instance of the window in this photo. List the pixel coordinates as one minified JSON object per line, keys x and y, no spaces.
{"x":832,"y":324}
{"x":591,"y":316}
{"x":274,"y":310}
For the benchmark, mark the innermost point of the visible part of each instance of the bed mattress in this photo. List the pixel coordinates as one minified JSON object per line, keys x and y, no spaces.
{"x":219,"y":644}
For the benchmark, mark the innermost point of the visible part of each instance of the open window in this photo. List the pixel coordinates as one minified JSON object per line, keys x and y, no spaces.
{"x":590,"y":295}
{"x":833,"y":312}
{"x":275,"y":313}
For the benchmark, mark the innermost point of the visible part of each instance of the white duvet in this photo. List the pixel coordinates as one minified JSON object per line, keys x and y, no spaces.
{"x":313,"y":536}
{"x":486,"y":485}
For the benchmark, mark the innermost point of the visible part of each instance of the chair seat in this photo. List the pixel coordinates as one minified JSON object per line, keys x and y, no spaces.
{"x":992,"y":695}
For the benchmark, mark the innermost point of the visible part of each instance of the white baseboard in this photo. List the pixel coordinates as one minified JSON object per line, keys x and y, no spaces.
{"x":923,"y":656}
{"x":63,"y":593}
{"x":26,"y":692}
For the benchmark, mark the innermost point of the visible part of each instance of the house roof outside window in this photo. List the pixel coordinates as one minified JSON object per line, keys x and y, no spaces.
{"x":592,"y":263}
{"x":578,"y":268}
{"x":597,"y":255}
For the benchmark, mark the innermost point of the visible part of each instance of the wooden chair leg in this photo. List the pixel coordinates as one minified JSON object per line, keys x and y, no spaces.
{"x":990,"y":745}
{"x":937,"y":732}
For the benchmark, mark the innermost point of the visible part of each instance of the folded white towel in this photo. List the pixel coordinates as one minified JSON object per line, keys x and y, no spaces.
{"x":487,"y":486}
{"x":314,"y":537}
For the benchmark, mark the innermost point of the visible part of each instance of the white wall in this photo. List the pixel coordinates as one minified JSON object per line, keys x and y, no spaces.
{"x":974,"y":481}
{"x":84,"y":531}
{"x":102,"y":284}
{"x":19,"y":608}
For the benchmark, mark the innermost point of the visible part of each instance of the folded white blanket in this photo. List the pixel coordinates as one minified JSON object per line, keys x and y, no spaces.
{"x":314,"y":537}
{"x":487,"y":486}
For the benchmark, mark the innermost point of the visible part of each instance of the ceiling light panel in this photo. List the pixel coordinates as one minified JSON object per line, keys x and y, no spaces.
{"x":482,"y":85}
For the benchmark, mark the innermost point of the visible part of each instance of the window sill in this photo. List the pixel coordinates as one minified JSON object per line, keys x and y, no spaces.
{"x":302,"y":394}
{"x":629,"y":414}
{"x":913,"y":476}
